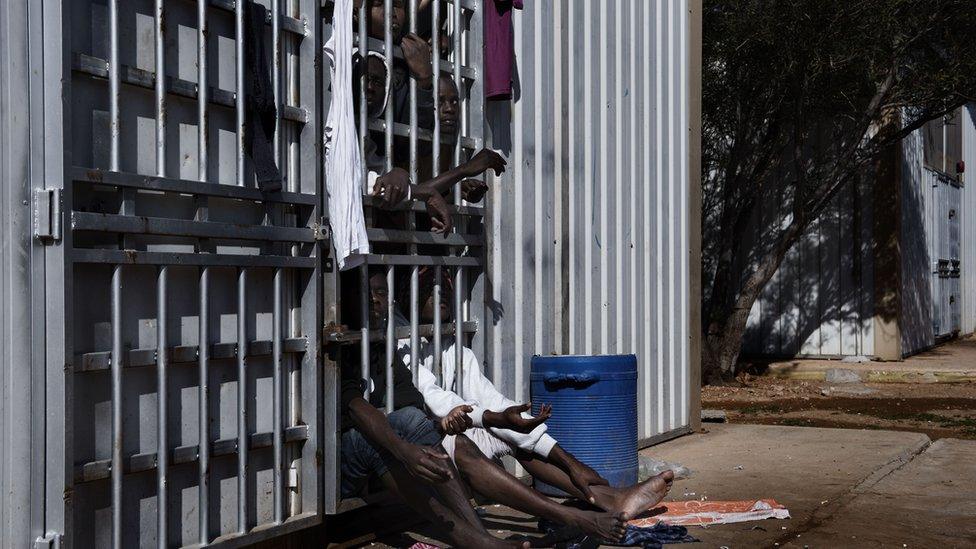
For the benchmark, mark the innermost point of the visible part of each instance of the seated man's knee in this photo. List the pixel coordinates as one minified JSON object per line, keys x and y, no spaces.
{"x":412,"y":425}
{"x":466,"y":452}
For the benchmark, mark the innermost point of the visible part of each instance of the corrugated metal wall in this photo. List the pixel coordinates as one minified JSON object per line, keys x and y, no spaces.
{"x":591,"y":223}
{"x":968,"y":214}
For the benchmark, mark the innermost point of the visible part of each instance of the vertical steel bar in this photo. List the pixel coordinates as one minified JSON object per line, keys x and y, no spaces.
{"x":366,"y":297}
{"x":438,"y":273}
{"x":202,"y":89}
{"x":116,"y":305}
{"x":459,"y":272}
{"x":203,"y":443}
{"x":276,"y":75}
{"x":113,"y":84}
{"x":388,"y":53}
{"x":162,"y":446}
{"x":160,"y":91}
{"x":242,"y":445}
{"x":390,"y":338}
{"x":278,"y":442}
{"x":363,"y":42}
{"x":239,"y":96}
{"x":412,"y":219}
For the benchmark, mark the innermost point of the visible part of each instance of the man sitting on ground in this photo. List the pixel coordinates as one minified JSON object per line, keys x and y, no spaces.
{"x":402,"y":449}
{"x":494,"y":426}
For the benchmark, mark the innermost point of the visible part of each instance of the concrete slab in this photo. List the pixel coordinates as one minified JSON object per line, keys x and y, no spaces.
{"x":928,"y":502}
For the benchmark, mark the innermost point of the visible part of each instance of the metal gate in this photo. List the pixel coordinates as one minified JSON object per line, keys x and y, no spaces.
{"x":185,"y":304}
{"x":944,"y":210}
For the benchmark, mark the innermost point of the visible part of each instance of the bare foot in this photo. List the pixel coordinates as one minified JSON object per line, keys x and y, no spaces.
{"x":606,"y":526}
{"x":491,"y":542}
{"x":641,"y":497}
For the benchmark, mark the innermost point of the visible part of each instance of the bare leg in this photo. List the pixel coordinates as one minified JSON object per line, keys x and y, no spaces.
{"x":631,"y":501}
{"x":446,"y":505}
{"x":491,"y":480}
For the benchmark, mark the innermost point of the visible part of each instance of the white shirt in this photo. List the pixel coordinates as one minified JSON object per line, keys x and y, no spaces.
{"x":343,"y":163}
{"x":478,"y":391}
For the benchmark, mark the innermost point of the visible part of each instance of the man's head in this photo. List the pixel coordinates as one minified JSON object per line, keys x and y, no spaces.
{"x":375,"y":15}
{"x":376,"y":85}
{"x":379,"y":299}
{"x":449,"y":103}
{"x":426,"y":295}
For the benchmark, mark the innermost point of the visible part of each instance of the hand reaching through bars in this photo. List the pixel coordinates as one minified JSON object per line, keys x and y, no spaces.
{"x":473,"y":190}
{"x":483,"y":161}
{"x":416,"y":52}
{"x":511,"y":418}
{"x":440,"y":216}
{"x":427,"y":464}
{"x":457,"y":420}
{"x":392,"y":187}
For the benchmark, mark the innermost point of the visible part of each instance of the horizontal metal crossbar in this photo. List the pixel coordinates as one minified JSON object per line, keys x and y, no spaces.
{"x":137,"y":463}
{"x":403,"y":130}
{"x":297,"y":27}
{"x":447,"y":260}
{"x":424,"y":237}
{"x":183,"y":354}
{"x":419,"y":206}
{"x":135,"y":257}
{"x":186,"y":186}
{"x":402,"y":332}
{"x":447,"y":67}
{"x":98,"y":68}
{"x":132,"y":224}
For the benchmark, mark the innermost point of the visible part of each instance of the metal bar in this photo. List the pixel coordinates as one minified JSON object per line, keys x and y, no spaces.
{"x":402,"y":332}
{"x":276,"y":76}
{"x":116,"y":306}
{"x":181,"y":455}
{"x":390,"y":333}
{"x":185,"y":186}
{"x":365,"y":297}
{"x":388,"y":46}
{"x":202,"y":90}
{"x":203,"y":344}
{"x":162,"y":446}
{"x":451,"y":260}
{"x":113,"y":93}
{"x":438,"y":273}
{"x":241,"y":400}
{"x":239,"y":88}
{"x":424,"y":237}
{"x":298,"y":27}
{"x":185,"y":354}
{"x":133,"y":257}
{"x":129,"y":224}
{"x":467,"y":72}
{"x":276,"y":321}
{"x":417,"y":206}
{"x":403,"y":130}
{"x":458,"y":330}
{"x":160,"y":91}
{"x":459,"y":273}
{"x":364,"y":47}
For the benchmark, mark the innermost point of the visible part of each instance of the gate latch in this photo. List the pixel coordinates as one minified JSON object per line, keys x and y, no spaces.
{"x":50,"y":541}
{"x":321,"y":229}
{"x":47,"y":215}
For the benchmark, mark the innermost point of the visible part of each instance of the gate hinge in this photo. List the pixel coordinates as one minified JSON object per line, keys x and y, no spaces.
{"x":321,"y":229}
{"x":47,"y":215}
{"x":51,"y":540}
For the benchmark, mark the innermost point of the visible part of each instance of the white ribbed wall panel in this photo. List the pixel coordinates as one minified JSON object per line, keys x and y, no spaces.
{"x":590,"y":223}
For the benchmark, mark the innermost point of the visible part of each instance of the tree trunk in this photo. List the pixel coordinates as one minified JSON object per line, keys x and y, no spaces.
{"x":723,"y":338}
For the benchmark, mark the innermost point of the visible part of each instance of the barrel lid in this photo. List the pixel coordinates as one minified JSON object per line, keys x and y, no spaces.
{"x":581,"y":363}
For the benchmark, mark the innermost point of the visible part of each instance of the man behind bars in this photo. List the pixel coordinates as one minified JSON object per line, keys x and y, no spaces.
{"x":401,"y":448}
{"x":494,"y":426}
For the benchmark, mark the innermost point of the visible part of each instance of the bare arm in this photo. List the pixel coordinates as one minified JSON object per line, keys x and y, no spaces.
{"x":483,"y":161}
{"x":424,"y":463}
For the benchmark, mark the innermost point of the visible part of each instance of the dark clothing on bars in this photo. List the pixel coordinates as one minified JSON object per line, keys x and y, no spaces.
{"x":353,"y":385}
{"x":260,"y":111}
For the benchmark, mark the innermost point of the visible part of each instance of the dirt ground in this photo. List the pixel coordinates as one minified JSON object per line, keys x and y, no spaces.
{"x":940,"y":410}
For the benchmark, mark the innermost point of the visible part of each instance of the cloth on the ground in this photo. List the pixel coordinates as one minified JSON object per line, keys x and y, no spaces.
{"x":352,"y":384}
{"x":343,"y":163}
{"x":260,"y":111}
{"x":650,"y":537}
{"x":499,"y":49}
{"x":697,"y":513}
{"x":478,"y":391}
{"x":361,"y":459}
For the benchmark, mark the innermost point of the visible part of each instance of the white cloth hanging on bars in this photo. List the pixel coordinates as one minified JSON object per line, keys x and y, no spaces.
{"x":343,"y":163}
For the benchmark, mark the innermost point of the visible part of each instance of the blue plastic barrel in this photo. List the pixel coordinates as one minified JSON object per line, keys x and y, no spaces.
{"x":594,"y":412}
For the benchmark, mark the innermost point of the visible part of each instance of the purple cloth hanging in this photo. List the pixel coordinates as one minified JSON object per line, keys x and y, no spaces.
{"x":499,"y":48}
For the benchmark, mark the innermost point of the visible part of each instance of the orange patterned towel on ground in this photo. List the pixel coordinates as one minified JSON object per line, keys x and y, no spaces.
{"x":700,"y":513}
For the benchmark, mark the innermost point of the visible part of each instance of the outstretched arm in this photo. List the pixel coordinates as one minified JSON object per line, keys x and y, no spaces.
{"x":481,"y":162}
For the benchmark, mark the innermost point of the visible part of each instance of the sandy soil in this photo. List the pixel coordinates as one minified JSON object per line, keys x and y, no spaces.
{"x":939,"y":410}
